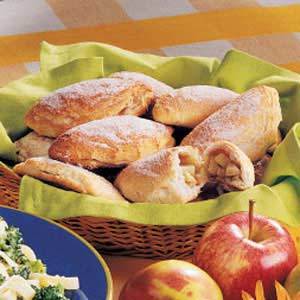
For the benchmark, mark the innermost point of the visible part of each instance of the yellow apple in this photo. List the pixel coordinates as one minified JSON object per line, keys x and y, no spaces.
{"x":171,"y":280}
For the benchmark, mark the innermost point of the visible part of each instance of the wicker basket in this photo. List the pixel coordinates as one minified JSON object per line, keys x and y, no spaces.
{"x":117,"y":237}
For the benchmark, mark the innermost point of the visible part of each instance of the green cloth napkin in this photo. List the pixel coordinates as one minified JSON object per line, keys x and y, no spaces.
{"x":286,"y":159}
{"x":175,"y":71}
{"x":48,"y":201}
{"x":62,"y":65}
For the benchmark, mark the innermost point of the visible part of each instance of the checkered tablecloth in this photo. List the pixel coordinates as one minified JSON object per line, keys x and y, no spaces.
{"x":269,"y":29}
{"x":265,"y":28}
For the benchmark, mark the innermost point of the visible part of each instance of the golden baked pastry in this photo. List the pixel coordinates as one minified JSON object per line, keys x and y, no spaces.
{"x":250,"y":122}
{"x":86,"y":101}
{"x":158,"y":87}
{"x":68,"y":176}
{"x":190,"y":105}
{"x":228,"y":166}
{"x":111,"y":142}
{"x":32,"y":145}
{"x":173,"y":175}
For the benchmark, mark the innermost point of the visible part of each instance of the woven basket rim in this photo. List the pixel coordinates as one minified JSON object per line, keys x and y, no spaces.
{"x":145,"y":211}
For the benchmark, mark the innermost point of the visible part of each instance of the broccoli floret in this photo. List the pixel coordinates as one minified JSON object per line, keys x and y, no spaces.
{"x":17,"y":255}
{"x":14,"y":236}
{"x":27,"y":268}
{"x":11,"y":242}
{"x":49,"y":293}
{"x":37,"y":266}
{"x":23,"y":270}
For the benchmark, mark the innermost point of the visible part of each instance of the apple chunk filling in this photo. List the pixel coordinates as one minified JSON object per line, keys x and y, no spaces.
{"x":228,"y":167}
{"x":222,"y":169}
{"x":191,"y":169}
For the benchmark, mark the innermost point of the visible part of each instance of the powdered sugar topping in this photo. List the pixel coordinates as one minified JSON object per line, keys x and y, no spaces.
{"x":205,"y":92}
{"x":223,"y":123}
{"x":119,"y":129}
{"x":159,"y":88}
{"x":85,"y":90}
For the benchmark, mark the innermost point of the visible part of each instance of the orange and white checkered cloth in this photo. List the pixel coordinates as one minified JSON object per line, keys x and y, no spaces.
{"x":265,"y":28}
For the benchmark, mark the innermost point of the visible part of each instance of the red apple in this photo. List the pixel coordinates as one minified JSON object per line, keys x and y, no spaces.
{"x":237,"y":261}
{"x":171,"y":280}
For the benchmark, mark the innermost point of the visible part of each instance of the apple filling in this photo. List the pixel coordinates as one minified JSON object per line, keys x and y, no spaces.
{"x":222,"y":169}
{"x":191,"y":168}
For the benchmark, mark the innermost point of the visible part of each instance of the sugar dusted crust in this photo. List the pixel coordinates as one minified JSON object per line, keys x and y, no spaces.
{"x":69,"y":177}
{"x":159,"y":88}
{"x":188,"y":106}
{"x":250,"y":122}
{"x":113,"y":141}
{"x":86,"y":101}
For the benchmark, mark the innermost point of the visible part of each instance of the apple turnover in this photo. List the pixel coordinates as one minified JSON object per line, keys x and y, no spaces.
{"x":86,"y":101}
{"x":68,"y":176}
{"x":158,"y":87}
{"x":190,"y":105}
{"x":228,"y":167}
{"x":173,"y":175}
{"x":32,"y":145}
{"x":111,"y":142}
{"x":250,"y":122}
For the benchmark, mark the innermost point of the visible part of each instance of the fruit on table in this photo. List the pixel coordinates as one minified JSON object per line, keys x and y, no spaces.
{"x":171,"y":280}
{"x":238,"y":254}
{"x":292,"y":283}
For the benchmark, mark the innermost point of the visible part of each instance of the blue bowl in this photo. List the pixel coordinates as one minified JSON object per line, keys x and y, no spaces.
{"x":64,"y":253}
